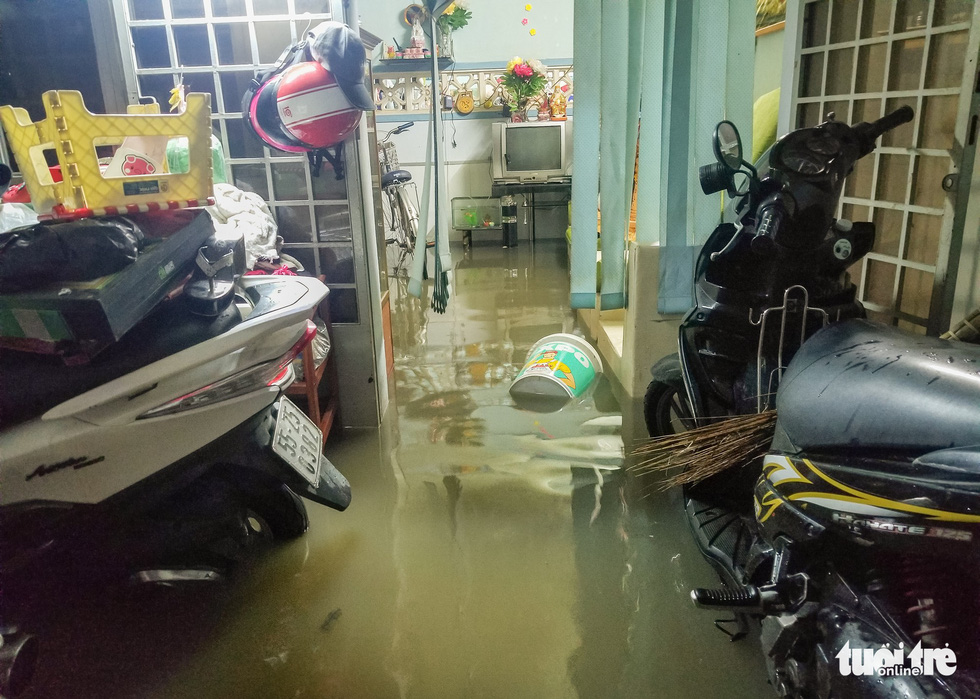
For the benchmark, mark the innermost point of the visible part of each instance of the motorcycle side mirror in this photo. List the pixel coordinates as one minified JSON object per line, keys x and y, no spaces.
{"x":728,"y":146}
{"x":741,"y":184}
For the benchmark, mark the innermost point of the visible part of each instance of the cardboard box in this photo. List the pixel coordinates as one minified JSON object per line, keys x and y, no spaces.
{"x":78,"y":319}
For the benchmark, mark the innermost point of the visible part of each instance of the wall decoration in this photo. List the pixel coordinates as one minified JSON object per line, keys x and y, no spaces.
{"x":532,"y":31}
{"x":409,"y":93}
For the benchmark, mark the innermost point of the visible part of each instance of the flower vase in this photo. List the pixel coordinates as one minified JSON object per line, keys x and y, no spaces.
{"x":520,"y":114}
{"x":445,"y":43}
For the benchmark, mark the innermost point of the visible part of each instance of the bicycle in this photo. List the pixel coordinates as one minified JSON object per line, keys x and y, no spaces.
{"x":401,"y":213}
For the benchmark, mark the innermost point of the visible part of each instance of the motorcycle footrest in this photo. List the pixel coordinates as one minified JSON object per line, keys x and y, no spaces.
{"x":742,"y":599}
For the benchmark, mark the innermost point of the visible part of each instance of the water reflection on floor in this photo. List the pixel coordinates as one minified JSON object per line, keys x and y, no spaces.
{"x":488,"y":551}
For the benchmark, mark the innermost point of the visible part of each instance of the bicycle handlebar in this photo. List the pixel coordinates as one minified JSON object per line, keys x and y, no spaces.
{"x":399,"y":129}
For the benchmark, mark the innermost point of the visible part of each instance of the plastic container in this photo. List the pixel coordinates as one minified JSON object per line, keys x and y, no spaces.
{"x":558,"y":369}
{"x":135,"y":180}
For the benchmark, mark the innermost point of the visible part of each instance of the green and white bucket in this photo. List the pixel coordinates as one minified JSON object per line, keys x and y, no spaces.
{"x":558,"y":369}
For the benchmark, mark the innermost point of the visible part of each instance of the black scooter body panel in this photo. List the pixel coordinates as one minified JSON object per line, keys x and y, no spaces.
{"x":719,"y":337}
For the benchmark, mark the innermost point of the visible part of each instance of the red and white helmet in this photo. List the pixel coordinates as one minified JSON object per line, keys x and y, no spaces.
{"x":312,"y":99}
{"x":301,"y":109}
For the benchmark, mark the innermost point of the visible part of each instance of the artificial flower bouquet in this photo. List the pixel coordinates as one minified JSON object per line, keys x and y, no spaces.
{"x":523,"y":80}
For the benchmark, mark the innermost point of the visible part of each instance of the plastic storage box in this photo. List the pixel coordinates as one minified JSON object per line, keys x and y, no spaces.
{"x":136,"y":179}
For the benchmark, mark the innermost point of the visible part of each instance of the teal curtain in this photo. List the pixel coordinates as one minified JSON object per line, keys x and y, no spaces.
{"x":613,"y":147}
{"x":710,"y":69}
{"x":677,"y":67}
{"x":585,"y":146}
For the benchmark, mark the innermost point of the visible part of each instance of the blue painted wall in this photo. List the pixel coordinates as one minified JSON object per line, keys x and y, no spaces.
{"x":494,"y":35}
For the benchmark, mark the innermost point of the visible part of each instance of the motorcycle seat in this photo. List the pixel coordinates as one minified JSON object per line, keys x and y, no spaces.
{"x":395,"y":177}
{"x":862,"y":384}
{"x":35,"y":383}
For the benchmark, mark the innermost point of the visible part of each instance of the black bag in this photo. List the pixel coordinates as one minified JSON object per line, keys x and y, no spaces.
{"x":70,"y":251}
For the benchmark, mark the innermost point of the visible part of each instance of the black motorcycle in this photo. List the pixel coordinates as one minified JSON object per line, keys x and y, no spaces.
{"x":851,"y":541}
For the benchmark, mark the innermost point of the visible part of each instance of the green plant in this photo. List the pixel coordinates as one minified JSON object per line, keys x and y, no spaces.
{"x":454,"y":17}
{"x":457,"y":19}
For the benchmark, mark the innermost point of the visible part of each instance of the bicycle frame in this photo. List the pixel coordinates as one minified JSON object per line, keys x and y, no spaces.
{"x":402,"y":217}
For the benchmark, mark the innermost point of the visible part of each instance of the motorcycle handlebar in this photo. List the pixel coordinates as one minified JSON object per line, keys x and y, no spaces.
{"x":770,"y":220}
{"x":870,"y":132}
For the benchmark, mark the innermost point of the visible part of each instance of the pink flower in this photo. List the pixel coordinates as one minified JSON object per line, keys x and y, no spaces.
{"x":523,"y":70}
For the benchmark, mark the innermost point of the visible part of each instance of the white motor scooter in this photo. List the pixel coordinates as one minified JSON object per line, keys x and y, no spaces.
{"x":163,"y":458}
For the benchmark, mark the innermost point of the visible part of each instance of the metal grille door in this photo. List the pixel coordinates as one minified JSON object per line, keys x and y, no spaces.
{"x":862,"y":59}
{"x":217,"y":46}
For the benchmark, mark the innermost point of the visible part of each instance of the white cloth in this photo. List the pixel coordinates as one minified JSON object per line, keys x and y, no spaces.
{"x":238,"y":211}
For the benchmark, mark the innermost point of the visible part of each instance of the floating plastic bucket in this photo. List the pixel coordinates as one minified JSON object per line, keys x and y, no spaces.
{"x":558,"y":369}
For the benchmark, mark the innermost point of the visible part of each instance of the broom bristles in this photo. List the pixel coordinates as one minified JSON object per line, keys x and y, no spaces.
{"x":705,"y":451}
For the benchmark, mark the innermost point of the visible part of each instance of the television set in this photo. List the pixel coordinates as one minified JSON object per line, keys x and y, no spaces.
{"x":532,"y":151}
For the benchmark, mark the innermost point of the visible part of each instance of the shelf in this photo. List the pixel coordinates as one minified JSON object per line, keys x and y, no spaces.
{"x":308,"y":388}
{"x":411,"y":65}
{"x":323,"y":417}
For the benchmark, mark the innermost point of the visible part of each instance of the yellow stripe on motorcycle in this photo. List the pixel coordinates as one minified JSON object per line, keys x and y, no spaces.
{"x":892,"y":508}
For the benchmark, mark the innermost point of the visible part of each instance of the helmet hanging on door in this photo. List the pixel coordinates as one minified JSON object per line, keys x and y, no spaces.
{"x":311,"y":106}
{"x":302,"y":109}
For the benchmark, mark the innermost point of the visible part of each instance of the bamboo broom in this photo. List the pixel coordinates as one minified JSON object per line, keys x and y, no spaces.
{"x":967,"y":330}
{"x":691,"y":457}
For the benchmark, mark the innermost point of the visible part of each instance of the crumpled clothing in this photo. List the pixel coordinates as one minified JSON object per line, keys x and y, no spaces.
{"x":281,"y":271}
{"x":236,"y":211}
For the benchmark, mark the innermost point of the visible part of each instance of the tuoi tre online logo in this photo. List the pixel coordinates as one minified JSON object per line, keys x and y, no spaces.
{"x":888,"y":662}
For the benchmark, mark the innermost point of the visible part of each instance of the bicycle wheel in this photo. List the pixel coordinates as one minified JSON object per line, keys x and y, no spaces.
{"x":399,"y":238}
{"x":392,"y":218}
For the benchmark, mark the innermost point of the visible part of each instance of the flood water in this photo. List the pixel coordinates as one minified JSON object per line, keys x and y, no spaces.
{"x":488,"y":551}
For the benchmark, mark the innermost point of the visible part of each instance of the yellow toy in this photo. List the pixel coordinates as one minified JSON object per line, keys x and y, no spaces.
{"x":135,"y":180}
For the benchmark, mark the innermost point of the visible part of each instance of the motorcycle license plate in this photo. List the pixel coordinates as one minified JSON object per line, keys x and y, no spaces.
{"x":297,"y":441}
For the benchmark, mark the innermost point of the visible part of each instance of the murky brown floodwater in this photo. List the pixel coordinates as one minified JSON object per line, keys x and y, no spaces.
{"x":488,"y":552}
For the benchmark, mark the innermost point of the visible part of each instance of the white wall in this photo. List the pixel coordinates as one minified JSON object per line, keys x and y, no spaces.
{"x":495,"y":33}
{"x":768,"y":63}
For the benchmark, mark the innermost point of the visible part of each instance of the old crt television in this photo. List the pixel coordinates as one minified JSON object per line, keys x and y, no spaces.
{"x":533,"y":151}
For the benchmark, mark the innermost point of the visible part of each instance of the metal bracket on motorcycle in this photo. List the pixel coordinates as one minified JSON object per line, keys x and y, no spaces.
{"x":783,"y":594}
